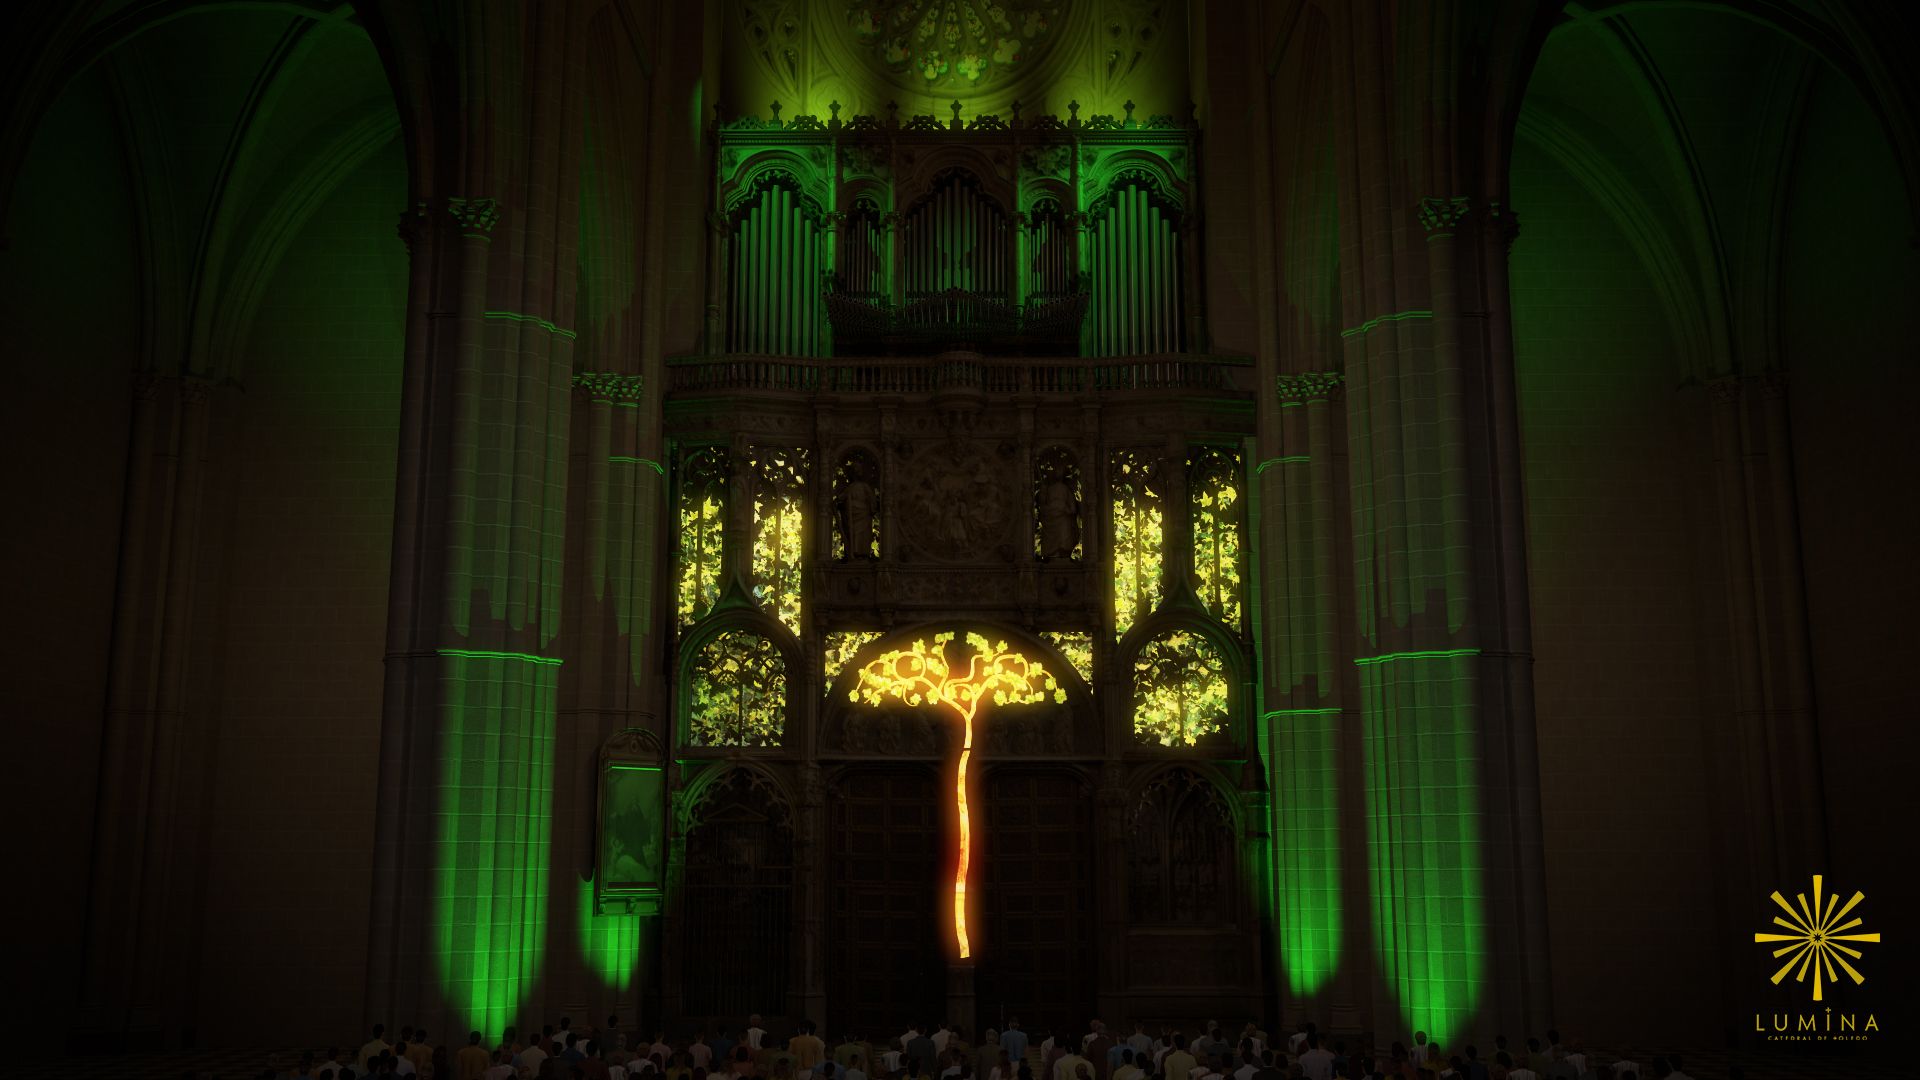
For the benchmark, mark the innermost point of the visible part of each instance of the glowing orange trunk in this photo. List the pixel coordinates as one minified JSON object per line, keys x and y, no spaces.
{"x":966,"y":844}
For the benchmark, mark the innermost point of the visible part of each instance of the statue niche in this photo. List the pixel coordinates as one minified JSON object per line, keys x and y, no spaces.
{"x":856,"y":507}
{"x":1057,"y":505}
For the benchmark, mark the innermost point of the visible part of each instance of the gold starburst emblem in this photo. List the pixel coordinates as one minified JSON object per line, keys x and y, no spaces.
{"x":1814,"y":939}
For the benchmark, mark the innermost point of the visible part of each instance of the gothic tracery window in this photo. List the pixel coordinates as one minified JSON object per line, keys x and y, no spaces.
{"x":1213,"y":487}
{"x":1136,"y":537}
{"x":1180,"y":853}
{"x":779,"y":530}
{"x":1180,"y":690}
{"x":702,"y":512}
{"x":737,"y":692}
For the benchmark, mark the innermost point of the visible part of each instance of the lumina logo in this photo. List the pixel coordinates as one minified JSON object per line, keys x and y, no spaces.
{"x":1816,"y":937}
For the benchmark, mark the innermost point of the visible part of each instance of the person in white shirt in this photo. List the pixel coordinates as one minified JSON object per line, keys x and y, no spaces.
{"x":854,"y":1072}
{"x":501,"y":1069}
{"x":1522,"y":1073}
{"x":1069,"y":1066}
{"x":941,"y":1036}
{"x":1297,"y":1040}
{"x":1316,"y":1063}
{"x":1248,"y":1066}
{"x":755,"y":1032}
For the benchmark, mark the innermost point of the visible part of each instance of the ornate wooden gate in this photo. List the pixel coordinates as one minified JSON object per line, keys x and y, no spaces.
{"x":885,"y":966}
{"x":1036,"y":948}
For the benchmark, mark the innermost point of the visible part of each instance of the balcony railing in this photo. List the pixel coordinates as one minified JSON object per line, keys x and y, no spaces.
{"x":949,"y":374}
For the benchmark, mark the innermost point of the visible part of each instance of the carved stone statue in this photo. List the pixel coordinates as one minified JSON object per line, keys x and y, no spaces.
{"x":856,"y":518}
{"x":1059,"y":519}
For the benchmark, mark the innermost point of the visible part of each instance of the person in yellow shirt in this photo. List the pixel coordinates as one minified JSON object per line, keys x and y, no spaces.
{"x":1178,"y":1064}
{"x":472,"y":1062}
{"x":809,"y":1050}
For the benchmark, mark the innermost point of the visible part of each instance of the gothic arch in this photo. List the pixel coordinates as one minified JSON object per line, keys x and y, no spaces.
{"x":1182,"y":829}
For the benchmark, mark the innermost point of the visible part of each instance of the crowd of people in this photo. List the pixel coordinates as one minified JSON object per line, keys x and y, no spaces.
{"x":569,"y":1051}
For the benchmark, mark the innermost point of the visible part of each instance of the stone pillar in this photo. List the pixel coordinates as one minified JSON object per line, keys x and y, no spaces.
{"x":1441,"y":647}
{"x":140,"y":896}
{"x":1772,"y":729}
{"x":1304,"y":663}
{"x":464,"y":861}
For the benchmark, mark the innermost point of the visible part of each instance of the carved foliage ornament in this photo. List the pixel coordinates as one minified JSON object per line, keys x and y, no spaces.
{"x":1305,"y":386}
{"x":934,"y":44}
{"x":609,"y":385}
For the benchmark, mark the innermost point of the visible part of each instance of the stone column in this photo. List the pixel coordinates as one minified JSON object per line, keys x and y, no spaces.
{"x":1772,"y":728}
{"x":141,"y":892}
{"x":1304,"y":663}
{"x":464,"y":871}
{"x":1441,"y":647}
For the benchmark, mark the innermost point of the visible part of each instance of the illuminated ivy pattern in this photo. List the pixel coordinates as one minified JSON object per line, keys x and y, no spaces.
{"x":737,"y":692}
{"x":841,"y":645}
{"x":1076,"y":646}
{"x":1214,"y":486}
{"x":951,"y":42}
{"x":703,"y":509}
{"x":779,"y":530}
{"x":1137,"y":530}
{"x":1179,"y":690}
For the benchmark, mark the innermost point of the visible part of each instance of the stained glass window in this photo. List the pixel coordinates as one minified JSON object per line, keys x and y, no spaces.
{"x":779,"y":529}
{"x":737,"y":692}
{"x":703,"y":509}
{"x":1213,"y":487}
{"x":1136,"y":537}
{"x":841,"y":646}
{"x":1179,"y":690}
{"x":1076,"y":646}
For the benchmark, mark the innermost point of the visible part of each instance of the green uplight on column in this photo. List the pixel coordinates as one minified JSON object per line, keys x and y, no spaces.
{"x":1306,"y":844}
{"x":495,"y":819}
{"x":1424,"y":828}
{"x":610,"y":942}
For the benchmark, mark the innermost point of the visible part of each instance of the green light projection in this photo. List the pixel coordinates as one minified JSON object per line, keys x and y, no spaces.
{"x":703,"y":488}
{"x":1306,"y":843}
{"x":737,"y":692}
{"x":490,"y":887}
{"x":610,"y":942}
{"x":1425,"y":864}
{"x":1137,"y":538}
{"x":1180,"y":691}
{"x":841,"y":645}
{"x":779,"y":530}
{"x":1214,"y":489}
{"x":1076,"y":646}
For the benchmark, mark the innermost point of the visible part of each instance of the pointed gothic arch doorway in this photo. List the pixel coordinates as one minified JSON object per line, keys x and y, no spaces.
{"x":893,"y":822}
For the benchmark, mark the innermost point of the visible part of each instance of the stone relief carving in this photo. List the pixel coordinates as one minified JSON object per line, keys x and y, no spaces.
{"x":956,"y":502}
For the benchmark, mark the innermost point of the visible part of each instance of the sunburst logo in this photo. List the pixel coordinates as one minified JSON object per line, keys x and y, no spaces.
{"x":1815,"y":939}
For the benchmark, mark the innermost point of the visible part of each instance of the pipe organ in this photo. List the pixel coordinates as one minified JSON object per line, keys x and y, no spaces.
{"x":1039,"y":237}
{"x":774,"y":273}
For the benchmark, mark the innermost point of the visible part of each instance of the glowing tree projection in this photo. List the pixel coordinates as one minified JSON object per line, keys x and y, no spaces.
{"x":920,"y":675}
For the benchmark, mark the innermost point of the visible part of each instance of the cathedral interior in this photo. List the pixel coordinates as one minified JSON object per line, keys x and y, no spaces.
{"x":867,"y":511}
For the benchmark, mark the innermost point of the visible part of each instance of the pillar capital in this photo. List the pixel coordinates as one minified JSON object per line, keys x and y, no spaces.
{"x":613,"y":386}
{"x":1298,"y":388}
